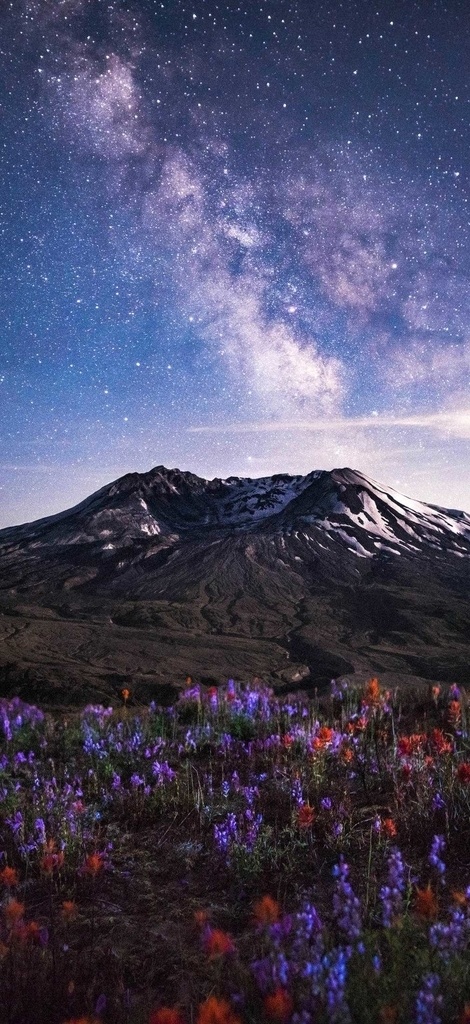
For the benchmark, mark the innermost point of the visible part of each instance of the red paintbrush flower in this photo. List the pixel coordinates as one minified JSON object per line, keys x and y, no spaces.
{"x":166,"y":1015}
{"x":9,"y":876}
{"x":69,"y":910}
{"x":279,"y":1005}
{"x":94,"y":864}
{"x":426,"y":903}
{"x":51,"y":862}
{"x":305,"y":816}
{"x":216,"y":1011}
{"x":323,"y":738}
{"x":217,"y":943}
{"x":13,"y":911}
{"x":372,"y":692}
{"x":267,"y":910}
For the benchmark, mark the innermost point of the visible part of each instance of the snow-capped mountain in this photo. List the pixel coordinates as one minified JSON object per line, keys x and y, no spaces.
{"x":289,"y":577}
{"x":162,"y":507}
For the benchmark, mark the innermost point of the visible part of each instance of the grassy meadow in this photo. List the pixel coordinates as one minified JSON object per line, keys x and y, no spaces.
{"x":238,"y":857}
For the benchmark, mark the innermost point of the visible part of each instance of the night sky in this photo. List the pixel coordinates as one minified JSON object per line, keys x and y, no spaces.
{"x":234,"y":239}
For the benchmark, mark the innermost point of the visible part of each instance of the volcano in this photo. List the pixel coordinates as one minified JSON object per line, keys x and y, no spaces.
{"x":292,"y":578}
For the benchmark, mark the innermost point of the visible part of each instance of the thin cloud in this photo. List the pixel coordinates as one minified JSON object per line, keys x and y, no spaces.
{"x":457,"y":423}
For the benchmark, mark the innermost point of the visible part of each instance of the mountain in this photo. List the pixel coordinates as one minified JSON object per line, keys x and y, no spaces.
{"x":295,"y":578}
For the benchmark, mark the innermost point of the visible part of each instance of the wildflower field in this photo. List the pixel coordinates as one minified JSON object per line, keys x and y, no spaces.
{"x":238,"y":857}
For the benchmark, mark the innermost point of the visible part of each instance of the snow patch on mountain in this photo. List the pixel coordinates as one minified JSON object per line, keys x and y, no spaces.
{"x":252,"y":500}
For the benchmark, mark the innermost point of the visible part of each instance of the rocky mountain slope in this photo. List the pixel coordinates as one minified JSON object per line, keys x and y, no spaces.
{"x":293,"y":578}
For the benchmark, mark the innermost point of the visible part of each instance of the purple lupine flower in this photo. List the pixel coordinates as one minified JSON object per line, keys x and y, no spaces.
{"x":308,"y":924}
{"x":136,"y":780}
{"x":265,"y":704}
{"x":98,"y":712}
{"x":290,"y":709}
{"x":16,"y":823}
{"x":278,"y":931}
{"x":268,"y":743}
{"x":92,"y":744}
{"x":338,"y":688}
{"x":226,"y":833}
{"x":192,"y":693}
{"x":346,"y":905}
{"x":15,"y":713}
{"x":336,"y":967}
{"x":7,"y":731}
{"x":252,"y":703}
{"x":435,"y":855}
{"x":162,"y":772}
{"x":296,"y":950}
{"x":189,"y":741}
{"x":262,"y":971}
{"x":313,"y":971}
{"x":308,"y":948}
{"x":438,"y":802}
{"x":452,"y":937}
{"x":254,"y":825}
{"x":156,"y":747}
{"x":41,"y":830}
{"x":250,"y":793}
{"x":296,"y":792}
{"x":391,"y":894}
{"x":272,"y":970}
{"x":281,"y":970}
{"x":428,"y":1001}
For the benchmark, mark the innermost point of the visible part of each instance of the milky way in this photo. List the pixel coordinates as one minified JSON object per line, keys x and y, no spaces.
{"x":235,"y":239}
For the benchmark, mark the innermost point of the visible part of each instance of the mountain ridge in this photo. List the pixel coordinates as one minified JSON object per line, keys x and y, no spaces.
{"x":217,"y":487}
{"x":332,"y":571}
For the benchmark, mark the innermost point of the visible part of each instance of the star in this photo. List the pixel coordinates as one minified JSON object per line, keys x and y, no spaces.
{"x":230,"y":221}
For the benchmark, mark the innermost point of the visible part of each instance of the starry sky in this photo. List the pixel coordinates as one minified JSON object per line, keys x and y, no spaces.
{"x":235,"y":238}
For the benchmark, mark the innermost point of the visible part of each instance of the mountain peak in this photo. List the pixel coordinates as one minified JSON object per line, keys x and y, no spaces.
{"x":339,"y":506}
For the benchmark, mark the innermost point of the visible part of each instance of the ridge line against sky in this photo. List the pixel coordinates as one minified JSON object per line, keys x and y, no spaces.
{"x":226,"y":224}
